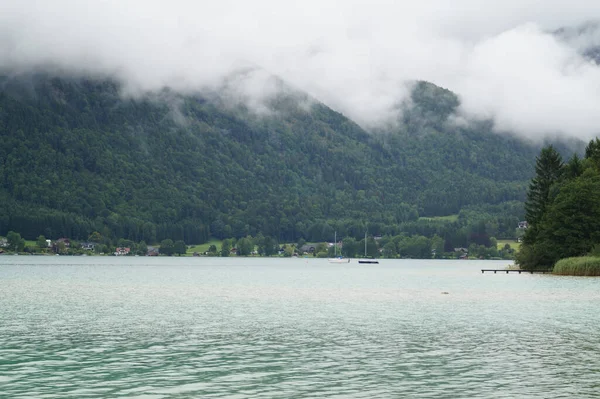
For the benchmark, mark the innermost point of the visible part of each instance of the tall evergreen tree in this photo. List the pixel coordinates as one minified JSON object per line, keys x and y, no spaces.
{"x":592,"y":150}
{"x":548,"y":170}
{"x":574,"y":168}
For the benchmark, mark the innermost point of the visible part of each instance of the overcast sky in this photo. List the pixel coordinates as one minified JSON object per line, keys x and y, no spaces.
{"x":355,"y":56}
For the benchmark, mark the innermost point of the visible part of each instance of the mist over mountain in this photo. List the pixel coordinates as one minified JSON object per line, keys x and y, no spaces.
{"x":585,"y":38}
{"x":150,"y":120}
{"x":359,"y":58}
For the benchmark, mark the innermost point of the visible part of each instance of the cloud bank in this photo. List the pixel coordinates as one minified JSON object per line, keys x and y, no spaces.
{"x":504,"y":59}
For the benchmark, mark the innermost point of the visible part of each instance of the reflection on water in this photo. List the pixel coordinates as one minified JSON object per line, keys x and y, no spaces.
{"x":196,"y":328}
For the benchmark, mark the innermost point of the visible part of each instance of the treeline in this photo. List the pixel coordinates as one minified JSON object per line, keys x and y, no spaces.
{"x":420,"y":247}
{"x":77,"y":157}
{"x":473,"y":225}
{"x":94,"y":244}
{"x":562,"y":208}
{"x":389,"y":247}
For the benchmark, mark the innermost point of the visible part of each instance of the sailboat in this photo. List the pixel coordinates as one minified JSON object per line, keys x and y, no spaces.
{"x":336,"y":258}
{"x":365,"y":259}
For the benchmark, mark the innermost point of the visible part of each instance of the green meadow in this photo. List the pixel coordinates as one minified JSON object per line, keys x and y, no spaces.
{"x":201,"y":248}
{"x":513,"y":244}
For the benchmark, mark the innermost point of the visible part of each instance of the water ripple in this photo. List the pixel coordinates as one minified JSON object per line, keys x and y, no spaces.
{"x":295,"y":331}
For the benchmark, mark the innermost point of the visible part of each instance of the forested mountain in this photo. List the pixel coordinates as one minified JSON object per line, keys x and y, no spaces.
{"x":76,"y":156}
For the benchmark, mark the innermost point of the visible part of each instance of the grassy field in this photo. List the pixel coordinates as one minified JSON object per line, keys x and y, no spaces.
{"x":513,"y":244}
{"x":204,"y":247}
{"x":449,"y":218}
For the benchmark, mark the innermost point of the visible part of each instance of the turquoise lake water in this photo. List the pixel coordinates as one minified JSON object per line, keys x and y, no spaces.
{"x":106,"y":327}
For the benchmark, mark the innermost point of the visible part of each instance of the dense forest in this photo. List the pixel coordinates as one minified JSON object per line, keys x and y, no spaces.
{"x":77,"y":156}
{"x":563,"y":208}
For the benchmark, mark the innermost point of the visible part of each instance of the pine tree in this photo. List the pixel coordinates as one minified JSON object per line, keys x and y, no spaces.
{"x":574,"y":168}
{"x":592,"y":150}
{"x":548,"y":170}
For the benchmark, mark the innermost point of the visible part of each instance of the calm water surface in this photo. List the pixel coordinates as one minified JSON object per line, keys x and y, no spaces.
{"x":94,"y":327}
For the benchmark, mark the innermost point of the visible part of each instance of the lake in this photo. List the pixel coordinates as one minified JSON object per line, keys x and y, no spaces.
{"x":108,"y":327}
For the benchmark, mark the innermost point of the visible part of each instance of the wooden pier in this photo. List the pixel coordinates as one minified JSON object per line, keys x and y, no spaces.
{"x":515,"y":271}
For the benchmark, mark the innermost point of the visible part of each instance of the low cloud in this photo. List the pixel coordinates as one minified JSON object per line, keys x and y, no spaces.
{"x":510,"y":61}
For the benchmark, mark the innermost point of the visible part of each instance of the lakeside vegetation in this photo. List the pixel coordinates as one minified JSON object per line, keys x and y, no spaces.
{"x":388,"y":247}
{"x":563,"y":211}
{"x":578,"y":266}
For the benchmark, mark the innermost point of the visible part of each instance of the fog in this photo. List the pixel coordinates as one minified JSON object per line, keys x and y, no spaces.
{"x":508,"y":60}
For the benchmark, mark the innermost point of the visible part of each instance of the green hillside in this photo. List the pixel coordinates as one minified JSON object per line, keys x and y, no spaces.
{"x":77,"y":157}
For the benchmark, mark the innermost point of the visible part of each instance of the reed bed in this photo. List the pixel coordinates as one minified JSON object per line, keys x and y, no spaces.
{"x":579,"y":266}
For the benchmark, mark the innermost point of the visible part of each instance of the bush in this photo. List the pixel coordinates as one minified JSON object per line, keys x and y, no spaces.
{"x":579,"y":266}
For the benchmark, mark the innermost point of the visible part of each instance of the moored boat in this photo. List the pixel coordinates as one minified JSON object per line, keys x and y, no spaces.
{"x":365,"y":259}
{"x":337,"y":259}
{"x":368,"y":261}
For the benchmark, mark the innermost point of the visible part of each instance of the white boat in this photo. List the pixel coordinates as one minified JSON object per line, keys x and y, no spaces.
{"x":337,"y":259}
{"x":365,"y":259}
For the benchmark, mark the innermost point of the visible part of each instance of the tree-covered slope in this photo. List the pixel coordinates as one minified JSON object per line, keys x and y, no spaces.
{"x":76,"y":156}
